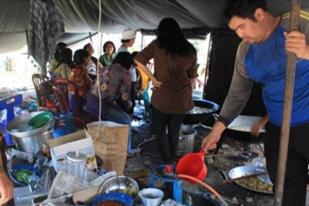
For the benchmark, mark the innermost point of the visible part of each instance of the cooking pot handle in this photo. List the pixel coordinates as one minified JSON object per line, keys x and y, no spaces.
{"x":224,"y":175}
{"x":215,"y":116}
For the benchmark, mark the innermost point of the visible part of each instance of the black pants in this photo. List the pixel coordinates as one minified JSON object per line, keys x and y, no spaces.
{"x":133,"y":97}
{"x":167,"y":142}
{"x":297,"y":162}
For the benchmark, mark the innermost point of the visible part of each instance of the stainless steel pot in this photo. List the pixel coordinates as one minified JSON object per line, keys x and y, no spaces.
{"x":186,"y":140}
{"x":29,"y":139}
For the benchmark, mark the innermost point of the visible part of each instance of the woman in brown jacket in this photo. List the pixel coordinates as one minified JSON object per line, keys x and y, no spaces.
{"x":174,"y":69}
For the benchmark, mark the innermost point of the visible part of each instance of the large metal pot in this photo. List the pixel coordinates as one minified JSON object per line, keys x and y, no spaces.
{"x":27,"y":138}
{"x":186,"y":140}
{"x":193,"y":117}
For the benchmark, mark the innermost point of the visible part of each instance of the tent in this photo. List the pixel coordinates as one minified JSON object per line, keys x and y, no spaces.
{"x":41,"y":23}
{"x":81,"y":16}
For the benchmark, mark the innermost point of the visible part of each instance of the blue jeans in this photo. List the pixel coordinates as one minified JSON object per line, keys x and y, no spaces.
{"x":110,"y":112}
{"x":119,"y":116}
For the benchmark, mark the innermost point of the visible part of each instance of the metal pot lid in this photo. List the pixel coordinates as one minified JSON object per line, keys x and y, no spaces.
{"x":243,"y":123}
{"x":76,"y":156}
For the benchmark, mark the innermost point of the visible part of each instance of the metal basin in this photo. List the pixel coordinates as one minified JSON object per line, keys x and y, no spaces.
{"x":27,"y":138}
{"x":120,"y":184}
{"x":241,"y":171}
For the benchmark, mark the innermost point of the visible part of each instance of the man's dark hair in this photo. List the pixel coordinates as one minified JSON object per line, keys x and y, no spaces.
{"x":243,"y":9}
{"x":125,"y":41}
{"x":61,"y":46}
{"x":125,"y":59}
{"x":79,"y":56}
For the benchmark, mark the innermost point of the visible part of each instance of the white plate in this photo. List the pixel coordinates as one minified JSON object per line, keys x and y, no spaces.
{"x":243,"y":123}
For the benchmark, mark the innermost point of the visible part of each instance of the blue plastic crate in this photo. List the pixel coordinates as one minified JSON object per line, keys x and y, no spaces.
{"x":9,"y":105}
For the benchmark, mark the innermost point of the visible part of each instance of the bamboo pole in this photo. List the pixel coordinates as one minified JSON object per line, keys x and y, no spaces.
{"x":288,"y":100}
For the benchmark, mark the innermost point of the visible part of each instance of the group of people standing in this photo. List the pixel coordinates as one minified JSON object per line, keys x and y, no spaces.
{"x":262,"y":58}
{"x":111,"y":81}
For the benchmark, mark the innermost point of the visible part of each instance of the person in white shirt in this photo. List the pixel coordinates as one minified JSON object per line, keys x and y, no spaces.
{"x":127,"y":40}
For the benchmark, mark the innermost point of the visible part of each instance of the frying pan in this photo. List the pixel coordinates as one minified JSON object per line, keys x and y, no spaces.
{"x":246,"y":170}
{"x":240,"y":128}
{"x":243,"y":123}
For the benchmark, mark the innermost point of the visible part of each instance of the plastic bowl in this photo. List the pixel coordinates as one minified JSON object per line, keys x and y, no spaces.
{"x":122,"y":198}
{"x":151,"y":196}
{"x":28,"y":170}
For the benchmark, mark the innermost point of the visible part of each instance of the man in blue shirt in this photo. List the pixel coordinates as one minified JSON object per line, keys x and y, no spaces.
{"x":261,"y":57}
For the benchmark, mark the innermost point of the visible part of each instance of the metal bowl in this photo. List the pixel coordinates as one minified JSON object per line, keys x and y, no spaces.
{"x":120,"y":184}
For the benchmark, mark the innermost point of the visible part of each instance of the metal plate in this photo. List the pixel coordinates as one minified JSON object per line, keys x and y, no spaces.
{"x":249,"y":170}
{"x":243,"y":123}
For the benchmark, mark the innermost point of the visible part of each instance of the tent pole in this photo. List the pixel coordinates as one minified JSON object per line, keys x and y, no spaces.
{"x":288,"y":100}
{"x":206,"y":76}
{"x":142,"y":40}
{"x":90,"y":37}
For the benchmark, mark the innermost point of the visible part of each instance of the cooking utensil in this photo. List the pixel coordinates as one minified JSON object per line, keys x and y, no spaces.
{"x":120,"y":184}
{"x":30,"y":139}
{"x":192,"y":164}
{"x":186,"y":140}
{"x":191,"y":118}
{"x":248,"y":170}
{"x":76,"y":164}
{"x":244,"y":177}
{"x":244,"y":123}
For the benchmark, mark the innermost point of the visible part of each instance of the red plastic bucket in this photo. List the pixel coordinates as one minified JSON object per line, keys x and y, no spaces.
{"x":193,"y":165}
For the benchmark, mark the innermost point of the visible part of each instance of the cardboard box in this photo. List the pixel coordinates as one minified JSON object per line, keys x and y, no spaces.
{"x":73,"y":142}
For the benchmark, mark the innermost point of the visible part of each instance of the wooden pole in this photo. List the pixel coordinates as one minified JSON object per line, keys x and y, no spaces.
{"x":288,"y":100}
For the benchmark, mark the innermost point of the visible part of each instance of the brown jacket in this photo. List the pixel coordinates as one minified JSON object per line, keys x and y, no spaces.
{"x":175,"y":72}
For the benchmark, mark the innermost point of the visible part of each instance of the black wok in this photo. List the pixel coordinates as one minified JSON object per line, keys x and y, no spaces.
{"x":201,"y":117}
{"x":240,"y":128}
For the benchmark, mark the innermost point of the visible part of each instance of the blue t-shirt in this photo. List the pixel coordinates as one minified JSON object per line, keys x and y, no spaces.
{"x":266,"y":63}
